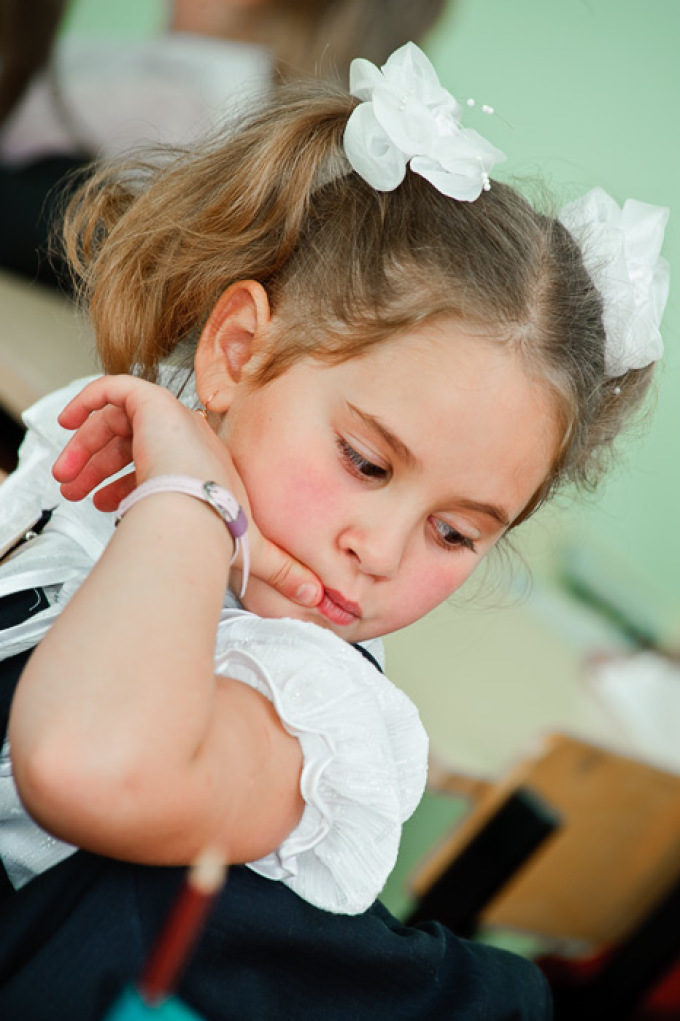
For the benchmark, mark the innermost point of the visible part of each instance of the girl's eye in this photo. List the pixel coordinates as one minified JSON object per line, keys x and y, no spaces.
{"x":359,"y":465}
{"x":451,"y":538}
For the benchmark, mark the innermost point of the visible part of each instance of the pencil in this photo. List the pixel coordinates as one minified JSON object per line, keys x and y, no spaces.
{"x":204,"y":880}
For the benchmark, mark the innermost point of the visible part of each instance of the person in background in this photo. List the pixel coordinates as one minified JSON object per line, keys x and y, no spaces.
{"x":312,"y":37}
{"x":68,"y":101}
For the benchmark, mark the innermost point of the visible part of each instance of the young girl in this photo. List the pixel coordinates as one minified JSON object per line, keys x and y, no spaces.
{"x":396,"y":361}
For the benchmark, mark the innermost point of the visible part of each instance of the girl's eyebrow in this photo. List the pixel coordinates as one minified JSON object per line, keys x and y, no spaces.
{"x":400,"y":449}
{"x":397,"y":446}
{"x":490,"y":509}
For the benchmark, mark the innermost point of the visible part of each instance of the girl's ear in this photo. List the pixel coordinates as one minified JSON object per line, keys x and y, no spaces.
{"x":229,"y":339}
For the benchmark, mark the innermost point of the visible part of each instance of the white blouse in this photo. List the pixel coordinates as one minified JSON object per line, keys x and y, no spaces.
{"x":364,"y":748}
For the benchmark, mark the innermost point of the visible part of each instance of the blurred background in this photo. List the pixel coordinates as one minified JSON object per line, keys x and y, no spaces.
{"x":586,"y":93}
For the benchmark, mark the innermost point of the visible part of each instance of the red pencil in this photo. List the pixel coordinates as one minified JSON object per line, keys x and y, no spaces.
{"x":204,"y":881}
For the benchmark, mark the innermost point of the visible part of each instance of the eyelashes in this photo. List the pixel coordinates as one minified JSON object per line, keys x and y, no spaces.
{"x":451,"y":538}
{"x":362,"y":468}
{"x":358,"y":464}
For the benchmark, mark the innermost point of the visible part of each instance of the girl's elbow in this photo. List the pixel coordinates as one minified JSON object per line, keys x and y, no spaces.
{"x":45,"y":787}
{"x":71,"y":791}
{"x":111,"y":805}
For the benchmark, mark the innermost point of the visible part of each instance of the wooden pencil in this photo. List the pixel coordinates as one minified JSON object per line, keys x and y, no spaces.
{"x":204,"y":880}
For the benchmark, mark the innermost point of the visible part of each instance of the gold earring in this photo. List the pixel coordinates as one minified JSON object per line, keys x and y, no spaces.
{"x":204,"y":411}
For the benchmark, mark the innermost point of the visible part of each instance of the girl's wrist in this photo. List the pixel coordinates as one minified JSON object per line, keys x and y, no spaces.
{"x":218,"y":498}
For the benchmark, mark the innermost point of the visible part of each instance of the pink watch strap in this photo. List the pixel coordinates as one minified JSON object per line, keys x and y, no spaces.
{"x":220,"y":499}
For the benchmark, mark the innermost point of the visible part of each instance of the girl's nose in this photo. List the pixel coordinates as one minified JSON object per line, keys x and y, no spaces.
{"x":378,"y":549}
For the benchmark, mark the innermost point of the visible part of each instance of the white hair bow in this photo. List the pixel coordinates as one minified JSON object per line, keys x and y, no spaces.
{"x":622,"y":252}
{"x":407,"y":118}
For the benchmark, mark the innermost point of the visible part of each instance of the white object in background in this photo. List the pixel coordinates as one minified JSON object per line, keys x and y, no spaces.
{"x":117,"y":94}
{"x":642,"y":692}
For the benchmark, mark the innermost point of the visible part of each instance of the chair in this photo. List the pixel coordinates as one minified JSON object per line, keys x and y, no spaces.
{"x":579,"y":847}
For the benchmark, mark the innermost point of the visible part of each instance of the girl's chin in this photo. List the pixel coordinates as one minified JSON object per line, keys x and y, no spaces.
{"x":265,"y":601}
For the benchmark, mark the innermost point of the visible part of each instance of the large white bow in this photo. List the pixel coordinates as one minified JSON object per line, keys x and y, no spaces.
{"x":622,"y":252}
{"x":407,"y":118}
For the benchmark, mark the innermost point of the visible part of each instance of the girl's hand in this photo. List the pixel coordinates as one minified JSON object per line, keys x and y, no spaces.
{"x":122,"y":420}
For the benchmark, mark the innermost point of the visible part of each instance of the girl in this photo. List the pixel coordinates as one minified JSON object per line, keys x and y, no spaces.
{"x":398,"y":361}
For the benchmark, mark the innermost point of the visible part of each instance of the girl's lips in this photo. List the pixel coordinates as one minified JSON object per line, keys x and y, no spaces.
{"x":337,"y":609}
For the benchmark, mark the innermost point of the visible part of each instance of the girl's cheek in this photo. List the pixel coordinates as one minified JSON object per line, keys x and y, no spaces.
{"x":293,"y":505}
{"x":435,"y":584}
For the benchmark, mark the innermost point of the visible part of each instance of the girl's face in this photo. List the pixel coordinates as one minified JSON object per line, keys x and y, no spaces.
{"x":391,"y":475}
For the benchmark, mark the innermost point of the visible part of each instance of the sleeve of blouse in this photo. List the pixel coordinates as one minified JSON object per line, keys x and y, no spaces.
{"x":364,"y":756}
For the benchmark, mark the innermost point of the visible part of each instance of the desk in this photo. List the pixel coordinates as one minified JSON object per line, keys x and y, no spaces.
{"x":44,"y":343}
{"x":488,"y":682}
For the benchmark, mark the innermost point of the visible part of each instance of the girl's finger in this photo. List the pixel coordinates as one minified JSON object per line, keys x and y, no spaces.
{"x":288,"y":576}
{"x":101,"y":466}
{"x":94,"y":435}
{"x":108,"y":497}
{"x":96,"y":395}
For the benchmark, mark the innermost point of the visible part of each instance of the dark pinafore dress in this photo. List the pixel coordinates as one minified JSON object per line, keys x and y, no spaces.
{"x":73,"y":936}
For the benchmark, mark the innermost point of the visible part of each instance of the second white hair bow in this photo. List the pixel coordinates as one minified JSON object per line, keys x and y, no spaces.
{"x":408,"y":119}
{"x":622,"y":252}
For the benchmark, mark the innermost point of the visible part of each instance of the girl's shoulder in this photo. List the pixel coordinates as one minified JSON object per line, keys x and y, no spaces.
{"x":364,"y":753}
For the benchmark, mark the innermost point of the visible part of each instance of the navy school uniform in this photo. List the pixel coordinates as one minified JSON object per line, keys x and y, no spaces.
{"x":75,"y":934}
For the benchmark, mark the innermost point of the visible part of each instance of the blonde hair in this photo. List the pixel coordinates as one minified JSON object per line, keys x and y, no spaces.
{"x":345,"y":266}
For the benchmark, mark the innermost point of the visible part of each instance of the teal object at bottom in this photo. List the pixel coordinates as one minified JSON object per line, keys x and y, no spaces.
{"x":130,"y":1007}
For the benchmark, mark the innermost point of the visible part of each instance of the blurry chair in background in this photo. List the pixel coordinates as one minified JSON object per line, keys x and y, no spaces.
{"x":579,"y":848}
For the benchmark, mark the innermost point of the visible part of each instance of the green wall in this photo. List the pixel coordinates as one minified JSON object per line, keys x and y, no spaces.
{"x":115,"y":17}
{"x":587,"y":92}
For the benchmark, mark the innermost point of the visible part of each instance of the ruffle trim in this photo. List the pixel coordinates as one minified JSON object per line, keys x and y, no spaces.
{"x":364,"y":752}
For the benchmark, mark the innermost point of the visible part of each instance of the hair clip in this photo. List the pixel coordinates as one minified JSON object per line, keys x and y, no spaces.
{"x":406,"y":119}
{"x":622,"y":252}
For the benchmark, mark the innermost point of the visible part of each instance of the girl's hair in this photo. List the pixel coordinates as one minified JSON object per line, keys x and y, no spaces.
{"x":345,"y":266}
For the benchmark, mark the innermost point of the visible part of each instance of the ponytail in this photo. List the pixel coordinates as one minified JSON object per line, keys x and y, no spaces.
{"x":152,"y":247}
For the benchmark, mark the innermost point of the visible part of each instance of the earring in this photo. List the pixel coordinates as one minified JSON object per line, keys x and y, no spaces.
{"x":204,"y":411}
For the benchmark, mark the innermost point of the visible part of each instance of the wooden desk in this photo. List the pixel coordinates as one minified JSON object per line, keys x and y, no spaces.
{"x":489,"y":683}
{"x":612,"y":856}
{"x":44,"y":343}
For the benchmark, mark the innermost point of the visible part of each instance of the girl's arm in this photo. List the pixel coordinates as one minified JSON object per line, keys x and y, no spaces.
{"x":123,"y":739}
